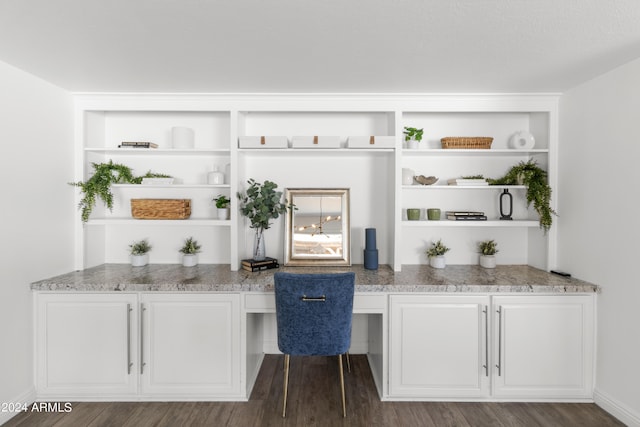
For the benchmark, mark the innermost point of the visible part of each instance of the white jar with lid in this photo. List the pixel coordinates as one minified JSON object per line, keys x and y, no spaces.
{"x":215,"y":177}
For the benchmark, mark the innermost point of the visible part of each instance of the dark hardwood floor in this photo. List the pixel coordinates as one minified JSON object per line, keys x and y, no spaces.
{"x":314,"y":400}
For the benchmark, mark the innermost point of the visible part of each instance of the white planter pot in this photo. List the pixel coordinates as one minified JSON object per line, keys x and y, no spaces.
{"x":223,"y":213}
{"x":488,"y":261}
{"x":437,"y":261}
{"x":189,"y":260}
{"x":139,"y":260}
{"x":412,"y":144}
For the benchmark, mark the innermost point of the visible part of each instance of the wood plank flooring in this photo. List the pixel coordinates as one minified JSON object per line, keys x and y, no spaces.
{"x":314,"y":400}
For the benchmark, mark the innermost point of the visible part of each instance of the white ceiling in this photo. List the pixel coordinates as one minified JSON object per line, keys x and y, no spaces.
{"x":318,"y":45}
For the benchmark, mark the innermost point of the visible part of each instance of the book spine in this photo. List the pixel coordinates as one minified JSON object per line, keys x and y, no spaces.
{"x":467,"y":217}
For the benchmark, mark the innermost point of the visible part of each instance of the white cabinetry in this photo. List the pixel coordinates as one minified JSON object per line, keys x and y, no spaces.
{"x":86,"y":344}
{"x":191,"y":344}
{"x":156,"y":346}
{"x":504,"y":347}
{"x":543,"y":346}
{"x":439,"y":346}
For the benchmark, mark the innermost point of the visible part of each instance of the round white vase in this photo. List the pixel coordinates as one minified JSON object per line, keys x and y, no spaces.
{"x":139,"y":260}
{"x":437,"y":261}
{"x":189,"y":260}
{"x":488,"y":261}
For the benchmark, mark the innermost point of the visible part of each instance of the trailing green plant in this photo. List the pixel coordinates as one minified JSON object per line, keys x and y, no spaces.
{"x":222,"y":201}
{"x":534,"y":178}
{"x":190,"y":246}
{"x":413,"y":133}
{"x":99,"y":185}
{"x":261,"y":203}
{"x":140,"y":247}
{"x":437,"y":249}
{"x":488,"y":247}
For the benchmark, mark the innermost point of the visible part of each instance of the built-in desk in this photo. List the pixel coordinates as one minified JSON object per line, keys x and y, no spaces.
{"x":429,"y":334}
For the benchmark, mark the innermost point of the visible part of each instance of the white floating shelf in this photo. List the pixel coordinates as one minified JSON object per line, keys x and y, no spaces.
{"x":488,"y":223}
{"x":160,"y":222}
{"x":474,"y":151}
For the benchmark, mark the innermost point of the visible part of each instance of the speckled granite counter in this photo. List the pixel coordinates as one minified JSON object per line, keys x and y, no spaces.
{"x":219,"y":278}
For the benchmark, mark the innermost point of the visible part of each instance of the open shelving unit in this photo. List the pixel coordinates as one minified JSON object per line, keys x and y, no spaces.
{"x":374,"y":175}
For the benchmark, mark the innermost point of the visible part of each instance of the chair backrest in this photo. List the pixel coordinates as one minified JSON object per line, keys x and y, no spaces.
{"x":314,"y":313}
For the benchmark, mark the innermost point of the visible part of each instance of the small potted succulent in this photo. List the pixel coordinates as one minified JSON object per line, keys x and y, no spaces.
{"x":189,"y":252}
{"x":488,"y":250}
{"x":436,"y":254}
{"x":222,"y":205}
{"x":413,"y":136}
{"x":140,"y":253}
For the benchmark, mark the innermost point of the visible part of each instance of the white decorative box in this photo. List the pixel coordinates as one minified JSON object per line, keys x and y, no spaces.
{"x":371,"y":141}
{"x":315,"y":142}
{"x":263,"y":142}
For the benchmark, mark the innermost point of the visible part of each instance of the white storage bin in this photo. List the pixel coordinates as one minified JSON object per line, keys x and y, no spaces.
{"x":315,"y":142}
{"x":371,"y":141}
{"x":263,"y":142}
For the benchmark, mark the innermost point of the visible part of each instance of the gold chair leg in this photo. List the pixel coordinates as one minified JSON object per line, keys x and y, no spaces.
{"x":285,"y":386}
{"x":344,"y":401}
{"x":348,"y":362}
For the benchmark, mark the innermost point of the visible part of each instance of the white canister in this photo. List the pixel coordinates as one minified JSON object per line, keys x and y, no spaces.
{"x":407,"y":176}
{"x":182,"y":137}
{"x":215,"y":177}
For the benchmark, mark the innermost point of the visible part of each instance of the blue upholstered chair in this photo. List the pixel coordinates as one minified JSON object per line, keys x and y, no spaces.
{"x":314,"y":313}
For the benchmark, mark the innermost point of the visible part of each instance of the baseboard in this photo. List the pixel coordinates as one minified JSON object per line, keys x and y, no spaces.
{"x":617,"y":409}
{"x":24,"y":399}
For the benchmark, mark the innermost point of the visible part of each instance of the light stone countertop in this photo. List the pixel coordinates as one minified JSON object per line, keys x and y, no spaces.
{"x":219,"y":278}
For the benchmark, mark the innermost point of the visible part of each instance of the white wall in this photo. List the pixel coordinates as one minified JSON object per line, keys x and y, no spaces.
{"x":36,"y":213}
{"x":598,"y":229}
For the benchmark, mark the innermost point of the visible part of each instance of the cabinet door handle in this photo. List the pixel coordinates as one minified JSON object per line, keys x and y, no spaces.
{"x":486,"y":340}
{"x":499,"y":365}
{"x":142,"y":310}
{"x":129,"y":362}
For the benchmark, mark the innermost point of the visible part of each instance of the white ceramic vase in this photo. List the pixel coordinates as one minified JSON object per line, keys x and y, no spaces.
{"x":437,"y":261}
{"x":189,"y":260}
{"x":223,"y":213}
{"x":488,"y":261}
{"x":139,"y":260}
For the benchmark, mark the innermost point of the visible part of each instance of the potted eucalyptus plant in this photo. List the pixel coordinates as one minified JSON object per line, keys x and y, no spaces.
{"x":222,"y":205}
{"x":436,"y":254}
{"x":140,"y":253}
{"x":99,"y":185}
{"x":534,"y":178}
{"x":261,"y":203}
{"x":488,"y":250}
{"x":189,"y":252}
{"x":412,"y":136}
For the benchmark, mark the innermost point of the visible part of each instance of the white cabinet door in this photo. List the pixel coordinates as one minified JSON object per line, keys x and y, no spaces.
{"x":543,"y":346}
{"x":438,"y":346}
{"x":86,"y":344}
{"x":190,"y":344}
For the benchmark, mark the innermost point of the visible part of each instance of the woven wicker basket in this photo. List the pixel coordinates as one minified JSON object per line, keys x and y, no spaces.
{"x":466,"y":142}
{"x":161,"y":208}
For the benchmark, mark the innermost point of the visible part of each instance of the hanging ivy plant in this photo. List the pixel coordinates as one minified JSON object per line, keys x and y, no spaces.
{"x":538,"y":190}
{"x":99,"y":185}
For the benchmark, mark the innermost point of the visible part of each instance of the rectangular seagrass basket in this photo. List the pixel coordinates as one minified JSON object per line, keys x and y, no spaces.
{"x":161,"y":208}
{"x":466,"y":142}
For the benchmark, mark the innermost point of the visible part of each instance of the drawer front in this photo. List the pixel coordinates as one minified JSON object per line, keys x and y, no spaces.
{"x":362,"y":303}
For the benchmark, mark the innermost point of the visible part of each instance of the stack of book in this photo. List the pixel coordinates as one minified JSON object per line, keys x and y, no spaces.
{"x":263,"y":264}
{"x":466,"y":216}
{"x":137,"y":144}
{"x":468,"y":181}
